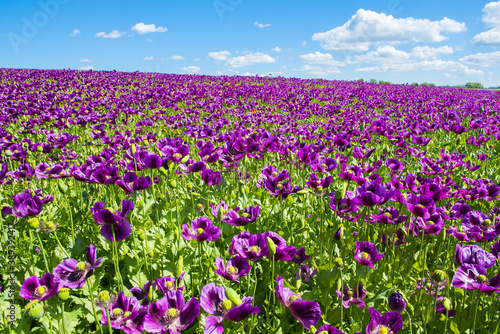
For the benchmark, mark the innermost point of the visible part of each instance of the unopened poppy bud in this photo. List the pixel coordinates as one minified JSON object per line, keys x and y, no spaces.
{"x":141,"y":235}
{"x":133,"y":149}
{"x":447,"y":303}
{"x":39,"y":148}
{"x":233,"y":296}
{"x":314,"y":330}
{"x":272,"y":247}
{"x":151,"y":253}
{"x":34,"y":223}
{"x":35,"y":309}
{"x":178,"y":267}
{"x":298,"y":284}
{"x":339,"y":233}
{"x":150,"y":294}
{"x":63,"y":294}
{"x":185,"y":159}
{"x":397,"y":302}
{"x":338,"y":261}
{"x":173,"y":183}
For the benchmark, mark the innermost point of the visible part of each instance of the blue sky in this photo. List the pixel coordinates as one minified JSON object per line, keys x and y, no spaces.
{"x":444,"y":42}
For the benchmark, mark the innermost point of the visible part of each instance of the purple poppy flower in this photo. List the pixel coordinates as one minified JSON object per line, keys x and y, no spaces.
{"x":473,"y":276}
{"x":166,"y":283}
{"x":354,"y":296}
{"x":366,"y":253}
{"x":472,"y":254}
{"x":73,"y":274}
{"x":213,"y":300}
{"x":362,"y":153}
{"x":318,"y":185}
{"x":25,"y":205}
{"x":284,"y":252}
{"x":394,"y":165}
{"x":248,"y":246}
{"x":421,"y":206}
{"x":171,"y":314}
{"x":222,"y":206}
{"x":125,"y":314}
{"x":431,"y":226}
{"x":388,"y":215}
{"x":480,"y":227}
{"x":495,"y":249}
{"x":191,"y":166}
{"x":390,"y":322}
{"x":113,"y":221}
{"x":299,"y":256}
{"x":236,"y":267}
{"x":248,"y":216}
{"x":202,"y":229}
{"x":324,"y":165}
{"x":442,"y":310}
{"x":306,"y":273}
{"x":371,"y":194}
{"x":306,"y":312}
{"x":329,"y":329}
{"x":131,"y":182}
{"x":153,"y":161}
{"x":210,"y":177}
{"x":280,"y":190}
{"x":35,"y":288}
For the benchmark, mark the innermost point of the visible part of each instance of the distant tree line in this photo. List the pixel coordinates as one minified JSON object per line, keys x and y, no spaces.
{"x":470,"y":85}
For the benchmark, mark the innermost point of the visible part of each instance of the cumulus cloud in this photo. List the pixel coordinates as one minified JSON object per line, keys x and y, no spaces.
{"x":87,"y":60}
{"x":74,"y":33}
{"x":142,"y":28}
{"x":321,"y":59}
{"x":491,"y":18}
{"x":148,"y":58}
{"x":114,"y":34}
{"x":482,"y":59}
{"x":366,"y":28}
{"x":249,"y":59}
{"x":197,"y":59}
{"x":220,"y":55}
{"x":276,"y":49}
{"x":86,"y":68}
{"x":425,"y":65}
{"x":190,"y":69}
{"x":261,"y":25}
{"x":490,"y":37}
{"x":389,"y":54}
{"x":319,"y":71}
{"x":177,"y":57}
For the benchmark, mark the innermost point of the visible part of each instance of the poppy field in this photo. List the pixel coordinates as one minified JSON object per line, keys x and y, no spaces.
{"x":160,"y":203}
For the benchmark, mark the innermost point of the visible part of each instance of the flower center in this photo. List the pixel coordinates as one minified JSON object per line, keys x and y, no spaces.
{"x":177,"y":155}
{"x":199,"y":231}
{"x":81,"y":266}
{"x":319,"y":188}
{"x":275,"y":174}
{"x":245,"y":215}
{"x":384,"y":330}
{"x":293,"y":298}
{"x":324,"y":166}
{"x":232,"y":270}
{"x":343,"y":206}
{"x":40,"y":291}
{"x":227,"y":305}
{"x":481,"y":278}
{"x":171,"y":313}
{"x":487,"y":222}
{"x":117,"y":312}
{"x":255,"y":249}
{"x":388,"y":214}
{"x":279,"y":187}
{"x":126,"y":314}
{"x":350,"y":293}
{"x":365,"y":255}
{"x":170,"y":285}
{"x":420,"y":206}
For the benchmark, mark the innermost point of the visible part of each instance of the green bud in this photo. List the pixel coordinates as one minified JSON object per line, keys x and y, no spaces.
{"x":35,"y":309}
{"x":447,"y":303}
{"x":314,"y":330}
{"x":34,"y":223}
{"x":39,"y":148}
{"x":185,"y":159}
{"x":298,"y":284}
{"x":178,"y":267}
{"x":141,"y":235}
{"x":150,"y":294}
{"x":338,"y":261}
{"x":63,"y":294}
{"x":173,"y":183}
{"x":233,"y":296}
{"x":272,"y":247}
{"x":133,"y":149}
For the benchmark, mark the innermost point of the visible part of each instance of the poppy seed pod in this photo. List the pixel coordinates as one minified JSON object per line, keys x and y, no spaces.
{"x":178,"y":267}
{"x":397,"y":302}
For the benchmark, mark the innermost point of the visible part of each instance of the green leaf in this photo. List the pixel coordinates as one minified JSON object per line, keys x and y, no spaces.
{"x":71,"y":320}
{"x":454,"y":327}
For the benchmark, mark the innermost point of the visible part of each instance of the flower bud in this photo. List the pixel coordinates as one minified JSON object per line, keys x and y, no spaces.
{"x":141,"y":235}
{"x":397,"y":302}
{"x":35,"y":309}
{"x":133,"y":149}
{"x":173,"y":183}
{"x":339,"y":233}
{"x":313,"y":329}
{"x":178,"y":267}
{"x":150,"y":294}
{"x":447,"y":303}
{"x":63,"y":294}
{"x":233,"y":296}
{"x":34,"y":223}
{"x":272,"y":247}
{"x":200,"y":207}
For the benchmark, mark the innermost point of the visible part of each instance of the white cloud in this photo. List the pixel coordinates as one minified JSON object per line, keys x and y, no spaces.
{"x":389,"y":54}
{"x":276,"y":49}
{"x":482,"y":59}
{"x":424,"y":65}
{"x":250,"y":59}
{"x":249,"y":74}
{"x":86,"y":68}
{"x":261,"y":25}
{"x":149,"y":40}
{"x":190,"y":69}
{"x":196,"y":59}
{"x":219,"y":56}
{"x":142,"y":28}
{"x":304,"y":43}
{"x":490,"y":37}
{"x":74,"y":33}
{"x":319,"y":71}
{"x":114,"y":34}
{"x":148,"y":58}
{"x":177,"y":57}
{"x":491,"y":18}
{"x":321,"y":59}
{"x":366,"y":28}
{"x":87,"y":60}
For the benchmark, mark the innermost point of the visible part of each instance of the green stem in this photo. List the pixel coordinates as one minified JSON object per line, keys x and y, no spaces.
{"x":91,"y":293}
{"x":62,"y":318}
{"x":109,"y":322}
{"x":478,"y":301}
{"x":43,"y":253}
{"x":115,"y":260}
{"x":59,"y":243}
